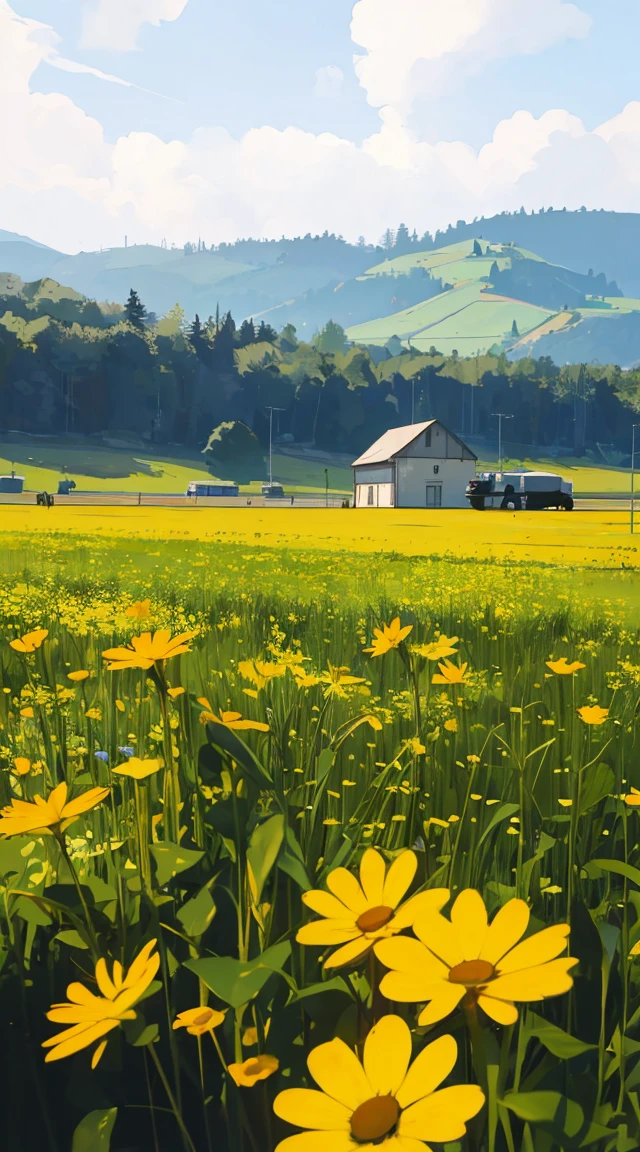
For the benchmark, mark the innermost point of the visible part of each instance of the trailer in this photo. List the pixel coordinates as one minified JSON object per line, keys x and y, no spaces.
{"x":520,"y":491}
{"x":202,"y":488}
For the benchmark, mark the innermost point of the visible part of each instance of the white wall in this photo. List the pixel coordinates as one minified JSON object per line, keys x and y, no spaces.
{"x":382,"y":496}
{"x":414,"y":475}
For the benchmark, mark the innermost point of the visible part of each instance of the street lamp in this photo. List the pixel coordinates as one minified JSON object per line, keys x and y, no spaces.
{"x":271,"y":411}
{"x":501,"y":416}
{"x":633,"y":461}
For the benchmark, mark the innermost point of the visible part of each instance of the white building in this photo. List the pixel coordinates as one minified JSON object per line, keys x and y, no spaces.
{"x":418,"y":466}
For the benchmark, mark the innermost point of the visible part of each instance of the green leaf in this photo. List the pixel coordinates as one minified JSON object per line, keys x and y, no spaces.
{"x":562,"y":1117}
{"x":324,"y":764}
{"x":262,"y":852}
{"x":555,"y":1040}
{"x":197,"y":914}
{"x":226,"y":740}
{"x":337,"y":984}
{"x":236,"y":982}
{"x":500,"y":814}
{"x":291,"y":861}
{"x":616,"y":866}
{"x":171,"y":859}
{"x":93,"y":1133}
{"x":598,"y":782}
{"x":72,"y":938}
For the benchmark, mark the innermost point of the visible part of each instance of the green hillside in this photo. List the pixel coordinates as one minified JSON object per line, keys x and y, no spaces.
{"x":473,"y":315}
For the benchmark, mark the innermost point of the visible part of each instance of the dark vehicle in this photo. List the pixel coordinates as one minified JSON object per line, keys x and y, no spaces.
{"x":520,"y":491}
{"x":273,"y":491}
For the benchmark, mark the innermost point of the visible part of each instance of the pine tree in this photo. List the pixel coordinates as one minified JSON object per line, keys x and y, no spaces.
{"x":195,"y":330}
{"x":514,"y":329}
{"x":246,"y":334}
{"x":266,"y":333}
{"x":477,"y":250}
{"x":135,"y":311}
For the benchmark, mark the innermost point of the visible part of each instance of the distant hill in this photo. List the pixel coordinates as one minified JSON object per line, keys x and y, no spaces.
{"x":562,"y":277}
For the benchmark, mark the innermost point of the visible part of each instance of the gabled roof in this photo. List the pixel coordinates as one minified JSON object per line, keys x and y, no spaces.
{"x":390,"y":443}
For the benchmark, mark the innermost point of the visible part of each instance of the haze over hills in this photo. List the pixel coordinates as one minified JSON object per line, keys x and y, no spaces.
{"x":538,"y":280}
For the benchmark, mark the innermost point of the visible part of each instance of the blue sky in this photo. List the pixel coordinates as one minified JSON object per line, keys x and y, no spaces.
{"x":447,"y":113}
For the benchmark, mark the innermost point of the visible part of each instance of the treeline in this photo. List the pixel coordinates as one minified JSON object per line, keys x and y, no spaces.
{"x":171,"y":381}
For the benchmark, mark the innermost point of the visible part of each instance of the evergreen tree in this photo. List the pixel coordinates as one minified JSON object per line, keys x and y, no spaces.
{"x":135,"y":311}
{"x":331,"y":338}
{"x":288,"y":340}
{"x":402,"y":241}
{"x":195,"y":330}
{"x":266,"y":333}
{"x":246,"y":334}
{"x":477,"y":250}
{"x":514,"y":329}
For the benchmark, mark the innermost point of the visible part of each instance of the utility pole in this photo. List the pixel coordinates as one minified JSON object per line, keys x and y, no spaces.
{"x":501,"y":416}
{"x":633,"y":477}
{"x":271,"y":411}
{"x":326,"y":487}
{"x":413,"y":400}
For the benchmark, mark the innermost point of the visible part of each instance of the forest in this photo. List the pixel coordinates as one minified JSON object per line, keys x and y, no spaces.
{"x":71,"y":366}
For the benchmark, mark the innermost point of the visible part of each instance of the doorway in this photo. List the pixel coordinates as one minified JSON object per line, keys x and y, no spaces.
{"x":434,"y":495}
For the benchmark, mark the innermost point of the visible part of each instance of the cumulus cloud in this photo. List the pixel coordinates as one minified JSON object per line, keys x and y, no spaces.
{"x":64,"y":184}
{"x":446,"y":35}
{"x":329,"y":82}
{"x":115,"y":24}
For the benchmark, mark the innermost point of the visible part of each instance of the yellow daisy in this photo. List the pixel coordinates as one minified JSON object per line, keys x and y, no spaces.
{"x":562,"y":668}
{"x":386,"y":1101}
{"x":255,"y":1068}
{"x":197,"y":1021}
{"x":593,"y":714}
{"x":30,"y":642}
{"x":450,"y":673}
{"x":146,"y":651}
{"x":468,"y":957}
{"x":355,"y":915}
{"x":387,"y":637}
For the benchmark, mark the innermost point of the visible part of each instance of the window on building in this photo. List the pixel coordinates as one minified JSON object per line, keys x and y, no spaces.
{"x":370,"y":494}
{"x":427,"y":438}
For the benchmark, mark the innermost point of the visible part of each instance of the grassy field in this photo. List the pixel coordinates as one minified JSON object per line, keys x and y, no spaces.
{"x":189,"y":942}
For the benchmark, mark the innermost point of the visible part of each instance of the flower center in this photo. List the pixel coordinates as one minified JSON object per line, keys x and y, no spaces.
{"x":203,"y":1018}
{"x":375,"y":1119}
{"x":472,"y":972}
{"x":374,"y":918}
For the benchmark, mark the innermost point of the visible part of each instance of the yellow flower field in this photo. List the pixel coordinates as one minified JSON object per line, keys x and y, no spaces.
{"x":314,"y":841}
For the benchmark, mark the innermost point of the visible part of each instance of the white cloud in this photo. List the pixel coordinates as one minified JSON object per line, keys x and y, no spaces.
{"x":329,"y":82}
{"x":449,"y":33}
{"x":115,"y":24}
{"x":64,"y":184}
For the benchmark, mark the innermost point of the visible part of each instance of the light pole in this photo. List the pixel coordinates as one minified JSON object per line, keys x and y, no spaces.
{"x":501,"y":416}
{"x":413,"y":400}
{"x":633,"y":477}
{"x":271,"y":411}
{"x":326,"y":487}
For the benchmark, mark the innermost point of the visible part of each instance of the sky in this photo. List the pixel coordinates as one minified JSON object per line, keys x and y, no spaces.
{"x":174,"y":119}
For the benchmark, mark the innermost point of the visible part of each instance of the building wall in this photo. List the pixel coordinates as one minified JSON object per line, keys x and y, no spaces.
{"x":373,"y":474}
{"x":415,"y":473}
{"x":382,"y":495}
{"x":442,"y":447}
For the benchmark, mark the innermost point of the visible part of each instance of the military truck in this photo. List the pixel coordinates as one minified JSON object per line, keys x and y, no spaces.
{"x":520,"y":491}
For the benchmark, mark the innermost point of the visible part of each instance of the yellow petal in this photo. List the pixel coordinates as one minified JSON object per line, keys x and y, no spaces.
{"x":387,"y":1052}
{"x":327,"y":905}
{"x":398,"y":879}
{"x":98,"y":1054}
{"x":327,"y":932}
{"x":502,"y":1011}
{"x":444,"y":999}
{"x":442,"y":1117}
{"x":319,"y":1142}
{"x":339,"y":1073}
{"x":469,"y":918}
{"x":307,"y":1108}
{"x":537,"y":949}
{"x":441,"y":937}
{"x":422,"y":904}
{"x":372,"y":870}
{"x":345,"y":886}
{"x":409,"y":956}
{"x":506,"y":928}
{"x":88,"y":1034}
{"x":428,"y":1070}
{"x":349,"y":953}
{"x":549,"y":979}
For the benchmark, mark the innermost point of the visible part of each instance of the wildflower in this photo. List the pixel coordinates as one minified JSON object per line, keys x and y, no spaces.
{"x":232,"y":720}
{"x":305,"y":679}
{"x":451,"y":725}
{"x":21,"y":765}
{"x":562,"y":668}
{"x":138,"y":769}
{"x":140,"y":610}
{"x":337,"y":679}
{"x":197,"y":1021}
{"x":91,"y":1016}
{"x":27,"y":712}
{"x":48,"y":817}
{"x":387,"y":637}
{"x":260,"y":672}
{"x":147,"y":651}
{"x":175,"y":692}
{"x":81,"y":674}
{"x":632,"y":799}
{"x":30,"y":642}
{"x":355,"y":915}
{"x":102,"y":756}
{"x":94,"y":713}
{"x":593,"y":714}
{"x":125,"y":749}
{"x":468,"y":959}
{"x":384,"y":1101}
{"x":120,"y":705}
{"x":437,"y":649}
{"x":450,"y":673}
{"x":254,"y":1069}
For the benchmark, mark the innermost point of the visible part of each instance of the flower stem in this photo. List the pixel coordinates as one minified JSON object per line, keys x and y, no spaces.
{"x":188,"y":1142}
